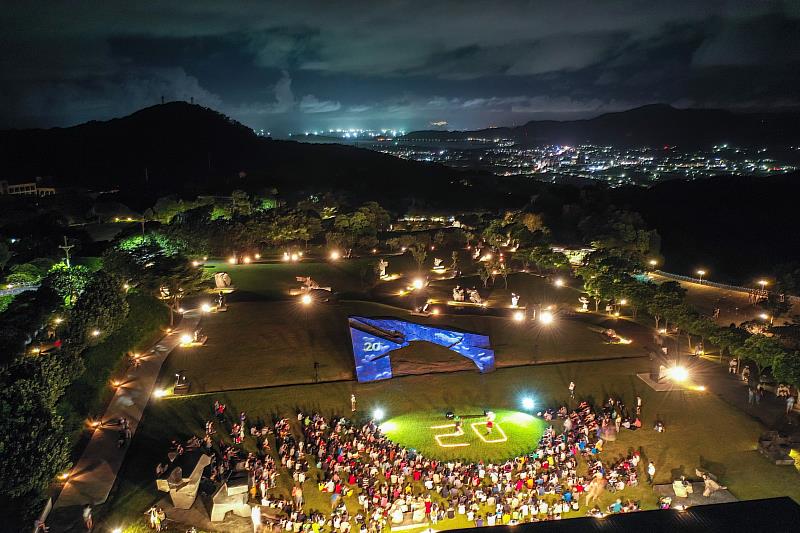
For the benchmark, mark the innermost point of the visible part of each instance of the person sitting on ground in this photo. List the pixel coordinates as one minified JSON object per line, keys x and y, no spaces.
{"x":659,"y":427}
{"x":711,"y":486}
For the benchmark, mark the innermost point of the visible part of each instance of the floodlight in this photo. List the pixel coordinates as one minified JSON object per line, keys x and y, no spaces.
{"x":528,"y":403}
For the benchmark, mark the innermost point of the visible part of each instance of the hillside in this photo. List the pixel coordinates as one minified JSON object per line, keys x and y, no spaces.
{"x":651,"y":125}
{"x":184,"y":148}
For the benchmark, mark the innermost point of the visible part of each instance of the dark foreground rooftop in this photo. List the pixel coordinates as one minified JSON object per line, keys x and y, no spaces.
{"x":771,"y":515}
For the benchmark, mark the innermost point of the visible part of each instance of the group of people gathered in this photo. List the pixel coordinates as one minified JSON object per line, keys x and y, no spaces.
{"x":354,"y":461}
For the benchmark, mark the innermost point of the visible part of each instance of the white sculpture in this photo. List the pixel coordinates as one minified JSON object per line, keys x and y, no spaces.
{"x":458,"y":294}
{"x":584,"y":303}
{"x":382,"y":264}
{"x":222,"y":280}
{"x":437,"y":263}
{"x":474,"y":297}
{"x":514,"y":299}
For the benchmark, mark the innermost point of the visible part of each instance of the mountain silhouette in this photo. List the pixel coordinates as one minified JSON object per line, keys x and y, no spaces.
{"x":651,"y":125}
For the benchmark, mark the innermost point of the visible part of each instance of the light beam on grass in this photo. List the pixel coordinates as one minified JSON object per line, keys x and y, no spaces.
{"x":480,"y":434}
{"x":458,"y":433}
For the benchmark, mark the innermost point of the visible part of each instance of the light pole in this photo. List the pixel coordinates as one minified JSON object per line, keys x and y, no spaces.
{"x":701,"y":273}
{"x":306,"y":300}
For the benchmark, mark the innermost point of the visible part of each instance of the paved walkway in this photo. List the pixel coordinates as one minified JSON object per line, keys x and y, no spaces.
{"x":771,"y":411}
{"x":95,"y":473}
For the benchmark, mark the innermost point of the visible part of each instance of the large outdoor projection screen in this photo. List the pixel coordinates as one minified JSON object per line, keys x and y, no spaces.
{"x":375,"y":338}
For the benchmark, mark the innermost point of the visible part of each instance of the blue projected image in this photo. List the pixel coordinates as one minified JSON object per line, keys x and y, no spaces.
{"x":374,"y":338}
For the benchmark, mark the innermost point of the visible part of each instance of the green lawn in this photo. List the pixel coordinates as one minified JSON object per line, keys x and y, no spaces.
{"x":515,"y":433}
{"x":268,"y":340}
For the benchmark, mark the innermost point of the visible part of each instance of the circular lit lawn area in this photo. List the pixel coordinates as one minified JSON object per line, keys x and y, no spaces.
{"x":434,"y":435}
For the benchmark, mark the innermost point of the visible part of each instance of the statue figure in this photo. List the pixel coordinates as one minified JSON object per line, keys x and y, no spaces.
{"x":222,"y":280}
{"x":437,"y":263}
{"x":382,"y":264}
{"x":474,"y":296}
{"x":308,"y":284}
{"x":514,"y":299}
{"x":584,"y":303}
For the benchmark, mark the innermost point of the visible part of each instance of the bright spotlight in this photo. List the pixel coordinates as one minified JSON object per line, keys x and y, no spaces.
{"x":559,"y":282}
{"x":246,"y":260}
{"x":305,"y":299}
{"x":378,"y":414}
{"x":295,"y":257}
{"x":528,"y":403}
{"x":518,"y":316}
{"x":763,"y":316}
{"x":232,"y":260}
{"x":159,"y":393}
{"x":546,"y":317}
{"x":335,"y":255}
{"x":205,"y":308}
{"x":258,"y":256}
{"x":117,"y":530}
{"x":95,"y":333}
{"x":679,"y":373}
{"x":195,"y":263}
{"x":186,"y":339}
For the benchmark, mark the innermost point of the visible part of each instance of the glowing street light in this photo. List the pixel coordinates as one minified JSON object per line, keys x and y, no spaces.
{"x":546,"y":318}
{"x":653,"y":263}
{"x":418,"y":283}
{"x":206,"y":308}
{"x":186,"y":339}
{"x":246,"y":260}
{"x":559,"y":282}
{"x":232,"y":260}
{"x":763,"y":283}
{"x":679,"y":373}
{"x":527,"y":403}
{"x":335,"y":255}
{"x":258,"y":256}
{"x":95,"y":333}
{"x":378,"y":414}
{"x":306,"y":299}
{"x":701,"y":273}
{"x":518,"y":316}
{"x":623,"y":302}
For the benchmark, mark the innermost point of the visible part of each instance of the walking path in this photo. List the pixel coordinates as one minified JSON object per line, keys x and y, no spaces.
{"x":95,"y":473}
{"x":771,"y":411}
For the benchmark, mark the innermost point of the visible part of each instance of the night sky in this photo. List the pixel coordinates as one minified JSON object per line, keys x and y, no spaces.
{"x":294,"y":66}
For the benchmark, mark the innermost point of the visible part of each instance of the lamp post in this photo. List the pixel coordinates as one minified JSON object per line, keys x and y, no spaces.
{"x":701,"y":273}
{"x":306,"y":300}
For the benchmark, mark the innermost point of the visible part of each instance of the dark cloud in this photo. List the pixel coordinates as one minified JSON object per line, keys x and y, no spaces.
{"x":316,"y":64}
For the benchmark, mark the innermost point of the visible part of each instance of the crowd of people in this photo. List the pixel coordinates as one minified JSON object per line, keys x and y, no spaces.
{"x":350,"y":461}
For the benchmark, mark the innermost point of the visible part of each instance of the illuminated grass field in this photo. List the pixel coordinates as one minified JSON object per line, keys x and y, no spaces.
{"x":433,"y":435}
